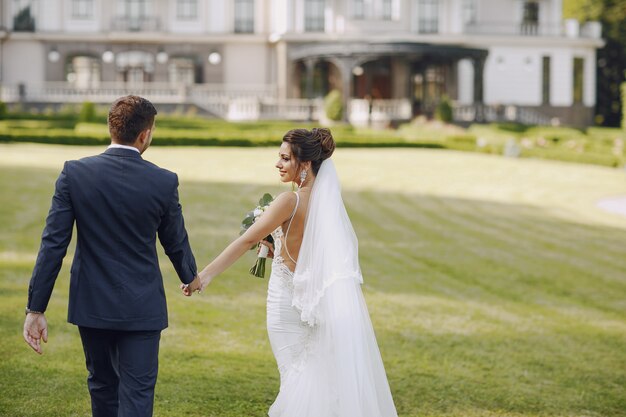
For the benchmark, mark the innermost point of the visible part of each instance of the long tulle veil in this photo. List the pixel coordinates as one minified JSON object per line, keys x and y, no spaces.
{"x":343,"y":374}
{"x":329,"y":250}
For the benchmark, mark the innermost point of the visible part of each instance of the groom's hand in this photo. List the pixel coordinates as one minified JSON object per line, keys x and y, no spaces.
{"x":193,"y":286}
{"x":35,"y":329}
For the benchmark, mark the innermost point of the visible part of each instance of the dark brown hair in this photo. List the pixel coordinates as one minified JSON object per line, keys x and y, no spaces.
{"x":128,"y":117}
{"x":313,"y":145}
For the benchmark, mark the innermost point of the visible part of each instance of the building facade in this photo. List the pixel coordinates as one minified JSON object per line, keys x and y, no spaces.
{"x":251,"y":59}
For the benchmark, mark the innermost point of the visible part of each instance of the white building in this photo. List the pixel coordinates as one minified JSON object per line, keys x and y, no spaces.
{"x":248,"y":59}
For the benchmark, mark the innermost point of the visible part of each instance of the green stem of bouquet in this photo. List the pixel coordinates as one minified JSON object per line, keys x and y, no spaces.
{"x":258,"y":270}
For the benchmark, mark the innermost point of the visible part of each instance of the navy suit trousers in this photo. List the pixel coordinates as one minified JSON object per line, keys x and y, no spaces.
{"x":123,"y":367}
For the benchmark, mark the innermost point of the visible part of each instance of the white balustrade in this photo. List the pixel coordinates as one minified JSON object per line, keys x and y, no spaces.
{"x":498,"y":113}
{"x":359,"y":112}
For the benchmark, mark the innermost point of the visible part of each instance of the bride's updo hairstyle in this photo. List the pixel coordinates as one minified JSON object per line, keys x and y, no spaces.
{"x":313,"y":145}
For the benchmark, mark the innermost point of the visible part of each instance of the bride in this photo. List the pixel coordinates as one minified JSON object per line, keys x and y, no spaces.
{"x":317,"y":321}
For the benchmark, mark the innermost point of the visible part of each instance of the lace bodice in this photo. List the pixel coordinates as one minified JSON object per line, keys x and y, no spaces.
{"x":278,"y":264}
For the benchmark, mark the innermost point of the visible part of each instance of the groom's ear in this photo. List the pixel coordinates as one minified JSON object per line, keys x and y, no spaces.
{"x":143,"y":136}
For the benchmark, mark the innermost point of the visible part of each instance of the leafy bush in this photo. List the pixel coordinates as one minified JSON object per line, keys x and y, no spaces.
{"x":333,"y":105}
{"x":87,"y":112}
{"x":3,"y":110}
{"x":24,"y":21}
{"x":443,"y":111}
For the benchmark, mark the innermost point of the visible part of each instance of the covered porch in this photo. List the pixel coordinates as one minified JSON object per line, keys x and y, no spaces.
{"x":383,"y":82}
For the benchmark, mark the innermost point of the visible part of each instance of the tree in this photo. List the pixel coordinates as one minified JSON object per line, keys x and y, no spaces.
{"x":24,"y":21}
{"x":611,"y":62}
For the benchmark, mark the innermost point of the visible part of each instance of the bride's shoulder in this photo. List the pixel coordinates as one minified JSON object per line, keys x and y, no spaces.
{"x":287,"y":198}
{"x":283,"y":205}
{"x":284,"y":200}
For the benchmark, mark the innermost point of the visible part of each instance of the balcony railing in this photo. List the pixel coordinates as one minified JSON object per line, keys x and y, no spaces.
{"x":136,"y":24}
{"x":498,"y":113}
{"x":255,"y":102}
{"x":106,"y":92}
{"x":569,"y":28}
{"x":101,"y":92}
{"x":378,"y":112}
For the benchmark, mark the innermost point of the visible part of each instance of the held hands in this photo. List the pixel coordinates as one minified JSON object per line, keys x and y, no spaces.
{"x":203,"y":279}
{"x":35,"y":329}
{"x":198,"y":284}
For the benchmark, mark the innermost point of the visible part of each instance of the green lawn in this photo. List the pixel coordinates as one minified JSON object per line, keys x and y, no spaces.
{"x":495,"y":286}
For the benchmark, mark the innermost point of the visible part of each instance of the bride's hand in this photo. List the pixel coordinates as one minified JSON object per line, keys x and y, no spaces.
{"x":270,"y":246}
{"x":198,"y":284}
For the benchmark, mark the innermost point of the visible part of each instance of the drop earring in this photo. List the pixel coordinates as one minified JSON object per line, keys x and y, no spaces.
{"x":302,"y":178}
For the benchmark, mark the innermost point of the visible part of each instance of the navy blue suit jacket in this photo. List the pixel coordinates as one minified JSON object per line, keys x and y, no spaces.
{"x":120,"y":203}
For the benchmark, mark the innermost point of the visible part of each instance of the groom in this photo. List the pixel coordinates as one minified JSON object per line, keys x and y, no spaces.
{"x":120,"y":203}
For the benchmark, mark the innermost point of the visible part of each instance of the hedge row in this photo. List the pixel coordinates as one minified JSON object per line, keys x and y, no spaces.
{"x":208,"y":141}
{"x":595,"y":146}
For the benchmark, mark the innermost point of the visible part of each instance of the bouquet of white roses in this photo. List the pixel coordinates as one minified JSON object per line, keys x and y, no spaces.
{"x":258,"y":270}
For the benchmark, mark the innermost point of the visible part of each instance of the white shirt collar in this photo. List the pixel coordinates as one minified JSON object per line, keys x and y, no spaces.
{"x":117,"y":145}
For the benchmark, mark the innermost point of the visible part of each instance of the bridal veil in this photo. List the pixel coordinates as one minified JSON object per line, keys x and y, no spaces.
{"x":341,"y":373}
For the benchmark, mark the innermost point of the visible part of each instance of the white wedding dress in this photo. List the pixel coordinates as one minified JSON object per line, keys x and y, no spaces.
{"x":317,"y":321}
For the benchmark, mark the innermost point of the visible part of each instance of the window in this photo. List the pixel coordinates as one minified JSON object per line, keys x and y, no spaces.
{"x":82,"y":9}
{"x":358,"y":9}
{"x":387,"y":12}
{"x":314,"y":15}
{"x":187,"y":9}
{"x":428,"y":16}
{"x":469,"y":12}
{"x":135,"y":15}
{"x":134,"y":66}
{"x":546,"y":80}
{"x":181,"y":71}
{"x":375,"y":9}
{"x":578,"y":80}
{"x":435,"y":86}
{"x":134,"y":9}
{"x":530,"y":22}
{"x":83,"y":71}
{"x":244,"y":16}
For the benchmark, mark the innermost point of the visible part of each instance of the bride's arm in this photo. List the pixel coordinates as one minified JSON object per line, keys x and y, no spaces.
{"x":274,"y":216}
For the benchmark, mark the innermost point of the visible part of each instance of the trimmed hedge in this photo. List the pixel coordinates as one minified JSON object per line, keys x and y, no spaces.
{"x":623,"y":94}
{"x":209,"y":141}
{"x":597,"y":146}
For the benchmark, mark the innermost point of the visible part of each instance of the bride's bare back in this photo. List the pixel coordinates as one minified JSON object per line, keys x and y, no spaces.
{"x":292,"y":240}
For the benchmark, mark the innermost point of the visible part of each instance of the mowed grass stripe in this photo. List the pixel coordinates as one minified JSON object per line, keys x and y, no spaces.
{"x":517,"y":260}
{"x":552,"y":250}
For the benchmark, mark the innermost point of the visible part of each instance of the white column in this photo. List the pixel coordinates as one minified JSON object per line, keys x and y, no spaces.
{"x":562,"y":78}
{"x":282,"y":69}
{"x":589,"y":79}
{"x":465,"y":82}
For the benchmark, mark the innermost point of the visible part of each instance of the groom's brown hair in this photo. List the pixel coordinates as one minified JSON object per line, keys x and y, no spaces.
{"x":128,"y":117}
